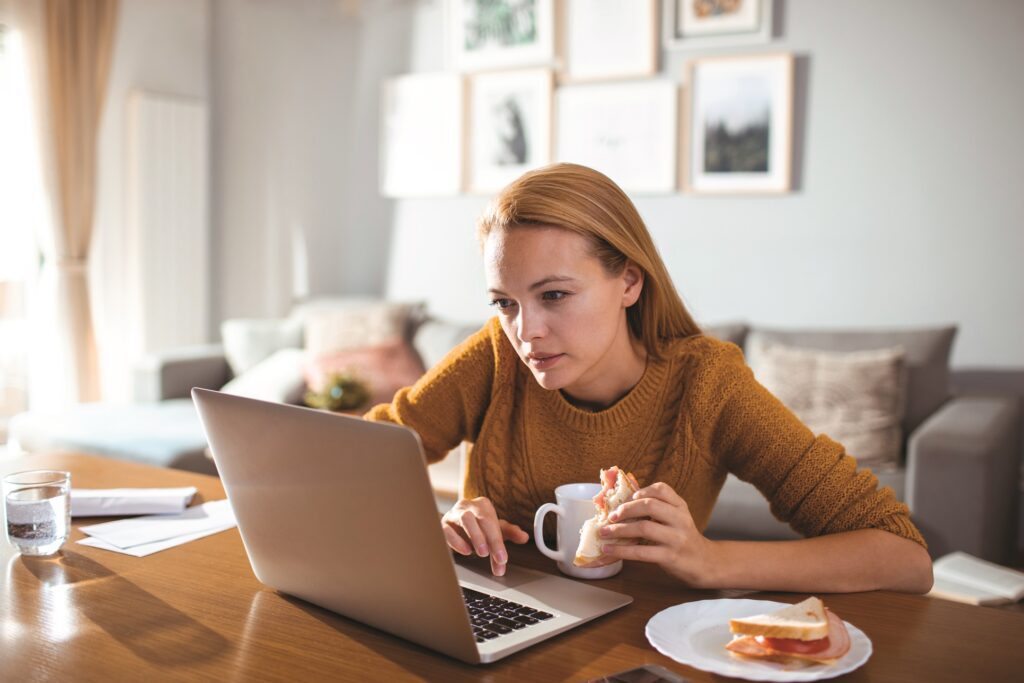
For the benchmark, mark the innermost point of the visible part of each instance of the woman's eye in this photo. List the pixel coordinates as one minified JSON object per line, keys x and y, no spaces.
{"x":554,"y":296}
{"x":501,"y":304}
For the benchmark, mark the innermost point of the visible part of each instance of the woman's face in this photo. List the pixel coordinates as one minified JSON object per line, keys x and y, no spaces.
{"x":560,"y":309}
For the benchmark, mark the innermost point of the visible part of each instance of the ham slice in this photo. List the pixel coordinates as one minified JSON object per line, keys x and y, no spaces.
{"x":617,"y":487}
{"x":838,"y":644}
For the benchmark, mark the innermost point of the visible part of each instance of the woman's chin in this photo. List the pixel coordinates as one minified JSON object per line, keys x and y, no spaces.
{"x":552,"y":381}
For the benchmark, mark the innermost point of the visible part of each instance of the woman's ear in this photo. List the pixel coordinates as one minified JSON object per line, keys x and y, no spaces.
{"x":633,"y":278}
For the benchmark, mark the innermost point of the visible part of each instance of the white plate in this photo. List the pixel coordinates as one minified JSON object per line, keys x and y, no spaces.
{"x":695,"y":634}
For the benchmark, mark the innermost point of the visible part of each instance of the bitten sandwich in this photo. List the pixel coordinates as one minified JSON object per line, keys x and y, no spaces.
{"x":617,"y":488}
{"x":806,"y":632}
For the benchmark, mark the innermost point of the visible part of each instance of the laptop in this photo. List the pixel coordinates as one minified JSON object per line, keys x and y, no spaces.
{"x":339,"y":511}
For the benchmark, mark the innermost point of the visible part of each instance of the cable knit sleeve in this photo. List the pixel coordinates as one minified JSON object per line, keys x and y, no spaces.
{"x":447,"y":404}
{"x":809,"y":481}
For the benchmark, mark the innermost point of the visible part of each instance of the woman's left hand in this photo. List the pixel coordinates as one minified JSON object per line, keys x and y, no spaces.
{"x":658,"y":515}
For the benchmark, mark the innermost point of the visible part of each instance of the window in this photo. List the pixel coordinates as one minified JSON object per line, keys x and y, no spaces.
{"x":20,"y":210}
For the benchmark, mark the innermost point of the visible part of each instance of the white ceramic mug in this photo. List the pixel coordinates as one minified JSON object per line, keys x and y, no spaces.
{"x":574,"y":507}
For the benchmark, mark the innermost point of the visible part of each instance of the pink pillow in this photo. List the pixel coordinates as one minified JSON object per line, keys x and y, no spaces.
{"x":385,"y":368}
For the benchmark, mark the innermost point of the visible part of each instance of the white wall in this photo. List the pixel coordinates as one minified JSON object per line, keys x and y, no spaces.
{"x":909,"y":210}
{"x":283,"y":77}
{"x":161,"y":46}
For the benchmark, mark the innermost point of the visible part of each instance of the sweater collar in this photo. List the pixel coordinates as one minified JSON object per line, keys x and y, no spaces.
{"x":637,"y":403}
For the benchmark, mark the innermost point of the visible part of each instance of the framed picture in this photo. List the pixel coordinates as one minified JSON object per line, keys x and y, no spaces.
{"x":421,"y":135}
{"x":628,"y":131}
{"x":608,"y":39}
{"x":510,"y":126}
{"x":499,"y":34}
{"x":740,"y":124}
{"x":697,"y":24}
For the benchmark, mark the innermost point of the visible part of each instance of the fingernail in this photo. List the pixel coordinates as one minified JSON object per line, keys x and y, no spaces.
{"x":501,"y":557}
{"x":481,"y":550}
{"x":614,"y":516}
{"x":603,"y":531}
{"x":499,"y":570}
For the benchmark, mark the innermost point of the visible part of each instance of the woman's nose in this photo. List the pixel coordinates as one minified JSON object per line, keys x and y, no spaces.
{"x":531,"y":325}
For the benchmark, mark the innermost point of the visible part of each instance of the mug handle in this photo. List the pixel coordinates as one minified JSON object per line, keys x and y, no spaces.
{"x":538,"y":529}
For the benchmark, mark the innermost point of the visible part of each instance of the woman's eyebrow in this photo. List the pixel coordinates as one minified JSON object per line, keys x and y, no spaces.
{"x":540,"y":283}
{"x":549,"y":279}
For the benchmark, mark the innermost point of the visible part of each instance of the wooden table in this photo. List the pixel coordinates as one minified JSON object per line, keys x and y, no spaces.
{"x":196,"y":612}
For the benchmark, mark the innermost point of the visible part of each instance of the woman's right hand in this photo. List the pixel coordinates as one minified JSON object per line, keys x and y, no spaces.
{"x":472,"y":525}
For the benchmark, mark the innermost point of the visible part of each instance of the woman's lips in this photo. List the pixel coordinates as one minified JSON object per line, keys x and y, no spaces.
{"x":543,"y":362}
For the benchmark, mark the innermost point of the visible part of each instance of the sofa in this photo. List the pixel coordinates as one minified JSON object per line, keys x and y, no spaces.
{"x":958,"y":468}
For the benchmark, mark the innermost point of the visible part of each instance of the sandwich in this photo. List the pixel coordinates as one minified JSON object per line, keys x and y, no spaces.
{"x":617,"y":488}
{"x":805,"y":633}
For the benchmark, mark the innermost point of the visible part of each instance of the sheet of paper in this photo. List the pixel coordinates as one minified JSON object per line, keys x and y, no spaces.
{"x":108,"y":502}
{"x":150,"y":548}
{"x":127,"y":533}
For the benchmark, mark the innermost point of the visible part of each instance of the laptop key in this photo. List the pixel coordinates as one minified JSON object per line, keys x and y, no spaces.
{"x":508,"y":623}
{"x":496,"y":616}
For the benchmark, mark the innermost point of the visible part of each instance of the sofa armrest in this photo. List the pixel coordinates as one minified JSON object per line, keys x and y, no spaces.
{"x":962,"y":470}
{"x":172,"y":374}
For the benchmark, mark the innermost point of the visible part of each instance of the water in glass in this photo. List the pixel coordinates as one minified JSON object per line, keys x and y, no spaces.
{"x":38,"y":518}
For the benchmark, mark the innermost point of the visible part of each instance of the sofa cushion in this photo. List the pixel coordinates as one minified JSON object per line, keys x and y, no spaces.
{"x":277,"y":378}
{"x":165,"y":433}
{"x":927,"y":357}
{"x":358,"y":325}
{"x":735,"y":333}
{"x":855,"y":397}
{"x":247,"y":341}
{"x":435,"y":338}
{"x":384,"y":368}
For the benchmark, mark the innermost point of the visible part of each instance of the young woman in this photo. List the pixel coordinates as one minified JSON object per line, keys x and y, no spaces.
{"x":591,"y":361}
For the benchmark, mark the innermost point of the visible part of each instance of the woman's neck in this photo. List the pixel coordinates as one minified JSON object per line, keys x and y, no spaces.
{"x":610,"y":380}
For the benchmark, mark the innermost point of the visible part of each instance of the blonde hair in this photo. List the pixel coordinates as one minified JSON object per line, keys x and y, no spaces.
{"x":589,"y":204}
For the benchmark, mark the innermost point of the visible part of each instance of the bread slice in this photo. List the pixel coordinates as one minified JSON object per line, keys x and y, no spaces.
{"x":804,"y":621}
{"x":618,"y":487}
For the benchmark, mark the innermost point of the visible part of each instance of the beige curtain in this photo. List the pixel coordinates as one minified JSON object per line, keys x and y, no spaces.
{"x":78,"y":40}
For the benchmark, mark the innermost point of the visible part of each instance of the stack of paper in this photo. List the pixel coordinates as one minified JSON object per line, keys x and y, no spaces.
{"x":142,"y":536}
{"x":108,"y":502}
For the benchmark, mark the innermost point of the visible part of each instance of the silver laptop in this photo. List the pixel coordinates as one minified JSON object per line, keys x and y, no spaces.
{"x":339,"y":511}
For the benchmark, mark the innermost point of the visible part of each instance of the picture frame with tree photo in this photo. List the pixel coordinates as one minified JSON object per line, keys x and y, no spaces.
{"x":739,"y":132}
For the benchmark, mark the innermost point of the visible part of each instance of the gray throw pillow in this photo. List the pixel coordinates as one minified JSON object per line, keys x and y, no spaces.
{"x":927,"y":349}
{"x":856,"y":398}
{"x":727,"y":332}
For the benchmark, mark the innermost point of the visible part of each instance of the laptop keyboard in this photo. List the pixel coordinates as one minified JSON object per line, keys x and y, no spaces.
{"x":493,"y":617}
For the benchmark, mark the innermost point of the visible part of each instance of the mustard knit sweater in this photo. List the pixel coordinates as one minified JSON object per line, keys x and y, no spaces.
{"x":694,"y":417}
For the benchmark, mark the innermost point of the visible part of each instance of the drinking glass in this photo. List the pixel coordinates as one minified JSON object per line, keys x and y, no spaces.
{"x":37,"y":506}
